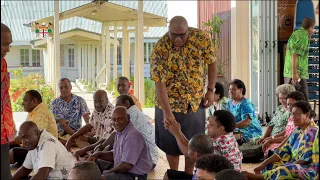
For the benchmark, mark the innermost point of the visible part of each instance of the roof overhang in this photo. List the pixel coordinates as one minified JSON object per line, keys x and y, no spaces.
{"x":77,"y":34}
{"x":108,"y":12}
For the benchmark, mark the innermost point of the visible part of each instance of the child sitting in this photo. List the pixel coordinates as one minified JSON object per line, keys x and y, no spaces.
{"x":220,"y":128}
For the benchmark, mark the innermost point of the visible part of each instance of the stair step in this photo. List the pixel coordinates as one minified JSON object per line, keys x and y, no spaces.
{"x":313,"y":70}
{"x":313,"y":53}
{"x":313,"y":88}
{"x":313,"y":79}
{"x":313,"y":97}
{"x":315,"y":36}
{"x":314,"y":45}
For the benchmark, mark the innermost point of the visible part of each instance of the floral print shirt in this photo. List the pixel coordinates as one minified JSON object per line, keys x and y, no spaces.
{"x":182,"y":70}
{"x":298,"y":43}
{"x":279,"y":121}
{"x":241,"y":111}
{"x":101,"y":122}
{"x":7,"y":123}
{"x":71,"y":111}
{"x":44,"y":119}
{"x":227,"y":146}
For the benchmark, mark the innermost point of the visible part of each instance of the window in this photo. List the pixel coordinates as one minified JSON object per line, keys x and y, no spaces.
{"x":36,"y":58}
{"x":119,"y":62}
{"x":71,"y":57}
{"x":24,"y":57}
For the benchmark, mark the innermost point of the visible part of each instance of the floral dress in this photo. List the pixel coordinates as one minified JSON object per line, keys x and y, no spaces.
{"x":302,"y":145}
{"x":242,"y":111}
{"x":279,"y":121}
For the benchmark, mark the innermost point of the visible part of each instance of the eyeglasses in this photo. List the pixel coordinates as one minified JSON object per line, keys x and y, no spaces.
{"x":174,"y":36}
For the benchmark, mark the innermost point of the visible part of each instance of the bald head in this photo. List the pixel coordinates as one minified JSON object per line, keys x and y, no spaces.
{"x":120,"y":118}
{"x":178,"y":21}
{"x":28,"y":125}
{"x":100,"y":99}
{"x":84,"y":171}
{"x":29,"y":134}
{"x":6,"y":40}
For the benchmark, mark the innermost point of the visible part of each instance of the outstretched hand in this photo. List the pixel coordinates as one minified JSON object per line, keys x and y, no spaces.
{"x":208,"y":99}
{"x":172,"y":126}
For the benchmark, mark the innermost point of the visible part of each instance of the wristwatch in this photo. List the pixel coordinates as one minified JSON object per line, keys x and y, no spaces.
{"x":212,"y":90}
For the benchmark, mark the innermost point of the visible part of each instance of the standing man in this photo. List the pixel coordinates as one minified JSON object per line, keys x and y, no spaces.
{"x":178,"y":64}
{"x":296,"y":62}
{"x":7,"y":124}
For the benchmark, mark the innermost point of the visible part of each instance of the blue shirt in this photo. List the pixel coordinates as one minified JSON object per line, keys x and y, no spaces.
{"x":242,"y":111}
{"x":194,"y":177}
{"x":71,"y":111}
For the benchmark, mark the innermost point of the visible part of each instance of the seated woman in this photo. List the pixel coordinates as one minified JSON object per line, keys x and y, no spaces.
{"x":271,"y":143}
{"x":244,"y":112}
{"x":219,"y":102}
{"x":299,"y":157}
{"x":279,"y":121}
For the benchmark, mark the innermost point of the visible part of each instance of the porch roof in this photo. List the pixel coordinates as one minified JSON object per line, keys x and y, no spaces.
{"x":107,"y":12}
{"x":76,"y":34}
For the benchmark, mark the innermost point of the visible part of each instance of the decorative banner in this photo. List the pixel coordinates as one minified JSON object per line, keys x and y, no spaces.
{"x":286,"y":11}
{"x":43,"y":31}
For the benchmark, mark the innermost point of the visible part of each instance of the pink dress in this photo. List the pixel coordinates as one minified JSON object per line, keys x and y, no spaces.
{"x":289,"y":128}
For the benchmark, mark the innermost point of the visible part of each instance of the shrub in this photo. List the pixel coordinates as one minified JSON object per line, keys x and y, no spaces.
{"x":20,"y":84}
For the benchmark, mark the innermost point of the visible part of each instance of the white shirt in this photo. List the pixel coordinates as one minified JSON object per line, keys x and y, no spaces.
{"x":50,"y":153}
{"x":144,"y":126}
{"x":101,"y":122}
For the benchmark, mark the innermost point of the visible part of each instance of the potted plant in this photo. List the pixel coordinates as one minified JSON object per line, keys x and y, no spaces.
{"x":213,"y":27}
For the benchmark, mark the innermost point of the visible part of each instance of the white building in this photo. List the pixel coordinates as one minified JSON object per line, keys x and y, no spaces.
{"x":79,"y":37}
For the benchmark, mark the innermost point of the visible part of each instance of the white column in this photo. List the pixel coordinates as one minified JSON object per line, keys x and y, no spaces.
{"x":136,"y":63}
{"x":108,"y":53}
{"x":141,"y":52}
{"x":56,"y":36}
{"x":125,"y":51}
{"x":45,"y":64}
{"x":83,"y":62}
{"x":78,"y":59}
{"x":86,"y":58}
{"x":103,"y":45}
{"x":94,"y":68}
{"x":147,"y":52}
{"x":90,"y":63}
{"x":30,"y":56}
{"x":115,"y":52}
{"x":98,"y":63}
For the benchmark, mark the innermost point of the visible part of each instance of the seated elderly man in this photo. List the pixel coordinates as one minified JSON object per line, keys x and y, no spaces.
{"x":142,"y":123}
{"x":123,"y":86}
{"x":68,"y":109}
{"x":99,"y":121}
{"x":47,"y":157}
{"x":85,"y":171}
{"x":130,"y":156}
{"x":40,"y":115}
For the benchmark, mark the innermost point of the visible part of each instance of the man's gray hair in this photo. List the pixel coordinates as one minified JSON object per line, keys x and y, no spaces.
{"x":285,"y":89}
{"x":85,"y":170}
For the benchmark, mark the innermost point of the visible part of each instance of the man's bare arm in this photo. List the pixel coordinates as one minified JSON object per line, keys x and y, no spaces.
{"x":21,"y":172}
{"x":65,"y":126}
{"x":212,"y":75}
{"x":162,"y":96}
{"x":42,"y":173}
{"x":86,"y":118}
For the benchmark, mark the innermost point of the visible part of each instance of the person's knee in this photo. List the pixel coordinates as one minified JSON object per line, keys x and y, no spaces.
{"x":11,"y":156}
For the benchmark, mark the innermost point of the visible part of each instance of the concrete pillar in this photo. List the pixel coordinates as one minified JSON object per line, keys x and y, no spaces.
{"x":98,"y":63}
{"x":125,"y":51}
{"x":45,"y":64}
{"x":57,"y":72}
{"x":240,"y":45}
{"x":78,"y":59}
{"x":83,"y":57}
{"x":86,"y":61}
{"x":115,"y":52}
{"x":49,"y":64}
{"x":90,"y":63}
{"x":103,"y":45}
{"x":141,"y":52}
{"x":136,"y":63}
{"x":94,"y":67}
{"x":108,"y":53}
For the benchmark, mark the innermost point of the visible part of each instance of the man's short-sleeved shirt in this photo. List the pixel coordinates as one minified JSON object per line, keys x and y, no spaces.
{"x":144,"y":126}
{"x":130,"y":147}
{"x":101,"y":122}
{"x":182,"y":70}
{"x":50,"y":153}
{"x":44,"y":119}
{"x":298,"y":43}
{"x":71,"y":111}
